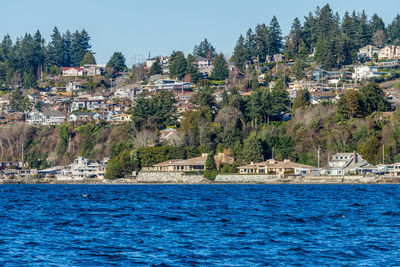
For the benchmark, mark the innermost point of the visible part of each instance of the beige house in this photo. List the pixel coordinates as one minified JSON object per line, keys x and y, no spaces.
{"x":368,"y":52}
{"x":180,"y":165}
{"x":389,"y":52}
{"x":273,"y":166}
{"x":121,"y":117}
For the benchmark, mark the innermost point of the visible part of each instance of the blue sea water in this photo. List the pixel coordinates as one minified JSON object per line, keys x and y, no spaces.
{"x":199,"y":225}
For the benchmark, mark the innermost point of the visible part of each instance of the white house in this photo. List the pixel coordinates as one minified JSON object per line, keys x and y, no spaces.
{"x":166,"y":84}
{"x":79,"y":116}
{"x":82,"y":168}
{"x":88,"y":102}
{"x":73,"y":86}
{"x":202,"y":62}
{"x":53,"y":117}
{"x":47,"y":117}
{"x":72,"y":71}
{"x":345,"y":163}
{"x":366,"y":72}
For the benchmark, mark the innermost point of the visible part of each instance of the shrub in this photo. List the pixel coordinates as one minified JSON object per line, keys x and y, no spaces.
{"x":210,"y":174}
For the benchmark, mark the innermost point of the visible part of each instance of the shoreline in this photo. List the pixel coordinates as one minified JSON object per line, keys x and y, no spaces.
{"x":390,"y":181}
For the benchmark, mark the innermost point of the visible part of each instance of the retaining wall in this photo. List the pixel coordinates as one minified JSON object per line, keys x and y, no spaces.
{"x":167,"y":177}
{"x":246,"y":178}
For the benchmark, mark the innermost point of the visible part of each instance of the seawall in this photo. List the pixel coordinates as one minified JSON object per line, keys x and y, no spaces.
{"x":169,"y":177}
{"x":246,"y":178}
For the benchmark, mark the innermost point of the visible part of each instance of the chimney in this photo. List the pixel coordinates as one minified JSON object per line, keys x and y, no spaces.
{"x":354,"y":157}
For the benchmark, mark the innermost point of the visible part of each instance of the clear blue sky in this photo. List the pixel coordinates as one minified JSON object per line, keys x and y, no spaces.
{"x":137,"y":27}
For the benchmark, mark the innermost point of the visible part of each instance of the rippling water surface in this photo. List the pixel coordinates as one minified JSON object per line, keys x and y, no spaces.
{"x":209,"y":225}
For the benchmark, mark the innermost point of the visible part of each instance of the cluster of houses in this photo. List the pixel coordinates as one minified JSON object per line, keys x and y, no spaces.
{"x":85,"y":70}
{"x":79,"y":169}
{"x":73,"y":102}
{"x":339,"y":164}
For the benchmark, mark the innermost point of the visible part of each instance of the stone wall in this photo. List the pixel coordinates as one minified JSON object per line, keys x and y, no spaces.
{"x":168,"y":177}
{"x":246,"y":178}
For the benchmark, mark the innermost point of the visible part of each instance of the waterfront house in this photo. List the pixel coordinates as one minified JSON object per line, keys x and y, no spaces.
{"x":180,"y":165}
{"x":346,"y":163}
{"x":8,"y":164}
{"x":273,"y":166}
{"x":82,"y":168}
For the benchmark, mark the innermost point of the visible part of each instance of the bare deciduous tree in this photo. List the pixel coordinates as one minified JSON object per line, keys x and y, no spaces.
{"x":379,"y":38}
{"x":144,"y":138}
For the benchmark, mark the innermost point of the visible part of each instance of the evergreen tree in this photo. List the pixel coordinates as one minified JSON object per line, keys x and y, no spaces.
{"x":348,"y":27}
{"x":373,"y":99}
{"x":275,"y":37}
{"x":294,"y":39}
{"x":156,"y":67}
{"x":239,"y":55}
{"x":377,"y":24}
{"x":220,"y":71}
{"x":210,"y":162}
{"x":88,"y":59}
{"x":302,"y":99}
{"x":56,"y":49}
{"x":19,"y":102}
{"x":280,"y":97}
{"x":25,"y":55}
{"x":192,"y":69}
{"x":253,"y":150}
{"x":117,"y":62}
{"x":177,"y":67}
{"x":38,"y":52}
{"x":79,"y":46}
{"x":363,"y":34}
{"x":251,"y":45}
{"x":393,"y":31}
{"x":326,"y":22}
{"x":310,"y":35}
{"x":262,"y":41}
{"x":204,"y":49}
{"x":256,"y":107}
{"x":67,"y":52}
{"x":298,"y":69}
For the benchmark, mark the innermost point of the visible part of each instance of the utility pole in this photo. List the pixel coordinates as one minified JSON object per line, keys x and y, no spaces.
{"x":383,"y":154}
{"x":273,"y":156}
{"x":318,"y":156}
